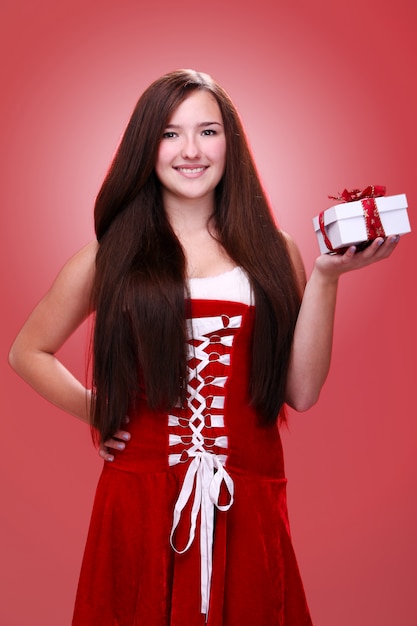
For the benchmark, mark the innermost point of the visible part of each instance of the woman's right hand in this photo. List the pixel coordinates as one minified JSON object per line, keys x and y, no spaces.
{"x":117,"y":442}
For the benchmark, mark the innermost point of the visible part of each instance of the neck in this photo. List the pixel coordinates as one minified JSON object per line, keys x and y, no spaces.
{"x":188,"y":215}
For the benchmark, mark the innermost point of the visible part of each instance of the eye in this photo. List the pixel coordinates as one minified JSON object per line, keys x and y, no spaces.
{"x":169,"y":134}
{"x":208,"y":131}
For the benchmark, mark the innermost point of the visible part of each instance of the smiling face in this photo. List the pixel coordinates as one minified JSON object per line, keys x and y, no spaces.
{"x":192,"y":153}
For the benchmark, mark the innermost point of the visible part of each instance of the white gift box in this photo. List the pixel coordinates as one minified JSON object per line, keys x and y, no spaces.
{"x":345,"y":223}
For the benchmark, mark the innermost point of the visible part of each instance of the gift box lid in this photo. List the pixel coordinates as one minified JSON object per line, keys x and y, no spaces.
{"x":347,"y":210}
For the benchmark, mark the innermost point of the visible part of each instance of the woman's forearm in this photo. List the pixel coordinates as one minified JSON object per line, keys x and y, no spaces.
{"x":312,"y":343}
{"x":48,"y":376}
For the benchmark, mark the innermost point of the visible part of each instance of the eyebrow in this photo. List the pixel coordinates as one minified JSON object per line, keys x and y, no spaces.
{"x":201,"y":125}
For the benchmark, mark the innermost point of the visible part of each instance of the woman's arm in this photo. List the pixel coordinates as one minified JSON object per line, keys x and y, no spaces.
{"x":313,"y":336}
{"x":55,"y":318}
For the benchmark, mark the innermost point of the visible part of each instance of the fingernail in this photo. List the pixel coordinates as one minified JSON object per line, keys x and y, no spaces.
{"x":396,"y":239}
{"x":110,"y":458}
{"x":380,"y":242}
{"x":126,"y":436}
{"x":120,"y":446}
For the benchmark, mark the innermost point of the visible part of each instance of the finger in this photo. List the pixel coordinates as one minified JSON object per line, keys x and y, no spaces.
{"x":393,"y":240}
{"x":373,"y":248}
{"x":105,"y":454}
{"x":385,"y":247}
{"x":349,"y":254}
{"x":116,"y":444}
{"x":122,"y":434}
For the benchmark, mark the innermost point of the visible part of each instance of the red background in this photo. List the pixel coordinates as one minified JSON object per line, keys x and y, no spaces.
{"x":327,"y":93}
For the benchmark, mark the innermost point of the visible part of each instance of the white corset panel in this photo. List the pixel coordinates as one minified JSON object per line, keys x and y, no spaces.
{"x":191,"y":429}
{"x":233,"y":286}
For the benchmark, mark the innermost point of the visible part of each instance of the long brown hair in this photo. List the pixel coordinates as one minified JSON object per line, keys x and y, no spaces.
{"x":140,"y":266}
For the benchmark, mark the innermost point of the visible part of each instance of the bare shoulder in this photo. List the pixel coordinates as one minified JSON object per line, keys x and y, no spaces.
{"x":78,"y":272}
{"x":70,"y":293}
{"x":84,"y":259}
{"x":296,"y":259}
{"x":72,"y":288}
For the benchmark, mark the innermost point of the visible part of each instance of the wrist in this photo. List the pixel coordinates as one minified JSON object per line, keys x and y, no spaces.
{"x":324,"y":274}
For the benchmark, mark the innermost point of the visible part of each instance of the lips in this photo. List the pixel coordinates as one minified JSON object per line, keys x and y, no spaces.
{"x":189,"y":170}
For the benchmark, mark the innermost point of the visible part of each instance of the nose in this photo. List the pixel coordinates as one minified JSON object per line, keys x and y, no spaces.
{"x":190,"y":148}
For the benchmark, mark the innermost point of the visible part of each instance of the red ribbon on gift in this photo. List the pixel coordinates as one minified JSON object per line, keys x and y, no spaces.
{"x":367,"y":196}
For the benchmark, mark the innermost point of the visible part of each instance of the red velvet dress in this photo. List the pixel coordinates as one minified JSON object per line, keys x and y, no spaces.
{"x":189,"y":525}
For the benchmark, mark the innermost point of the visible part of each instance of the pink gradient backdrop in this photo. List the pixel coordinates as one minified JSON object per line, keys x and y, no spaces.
{"x":328,"y":97}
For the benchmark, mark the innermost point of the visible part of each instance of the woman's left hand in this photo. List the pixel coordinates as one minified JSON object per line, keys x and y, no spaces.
{"x":333,"y":265}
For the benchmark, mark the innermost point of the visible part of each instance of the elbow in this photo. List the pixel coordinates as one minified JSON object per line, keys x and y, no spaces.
{"x":17,"y":357}
{"x":302,"y":402}
{"x":13,"y":358}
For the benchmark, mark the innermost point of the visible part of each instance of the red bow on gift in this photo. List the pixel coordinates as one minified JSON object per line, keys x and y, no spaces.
{"x":373,"y":191}
{"x":373,"y":222}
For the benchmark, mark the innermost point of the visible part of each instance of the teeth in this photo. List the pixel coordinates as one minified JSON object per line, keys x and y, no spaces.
{"x":191,"y":170}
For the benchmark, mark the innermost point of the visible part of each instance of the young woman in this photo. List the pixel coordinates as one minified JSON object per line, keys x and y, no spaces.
{"x":203,"y":330}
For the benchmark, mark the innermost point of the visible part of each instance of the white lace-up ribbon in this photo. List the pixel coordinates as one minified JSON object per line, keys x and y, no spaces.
{"x":206,"y":472}
{"x":205,"y":476}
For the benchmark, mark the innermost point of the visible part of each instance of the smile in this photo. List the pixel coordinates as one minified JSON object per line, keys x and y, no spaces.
{"x":190,"y":170}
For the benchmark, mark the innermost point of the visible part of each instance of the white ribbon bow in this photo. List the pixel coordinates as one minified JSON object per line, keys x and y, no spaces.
{"x":207,"y":473}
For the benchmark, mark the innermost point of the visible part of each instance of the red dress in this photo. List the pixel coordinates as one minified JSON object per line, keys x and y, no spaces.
{"x":189,"y":525}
